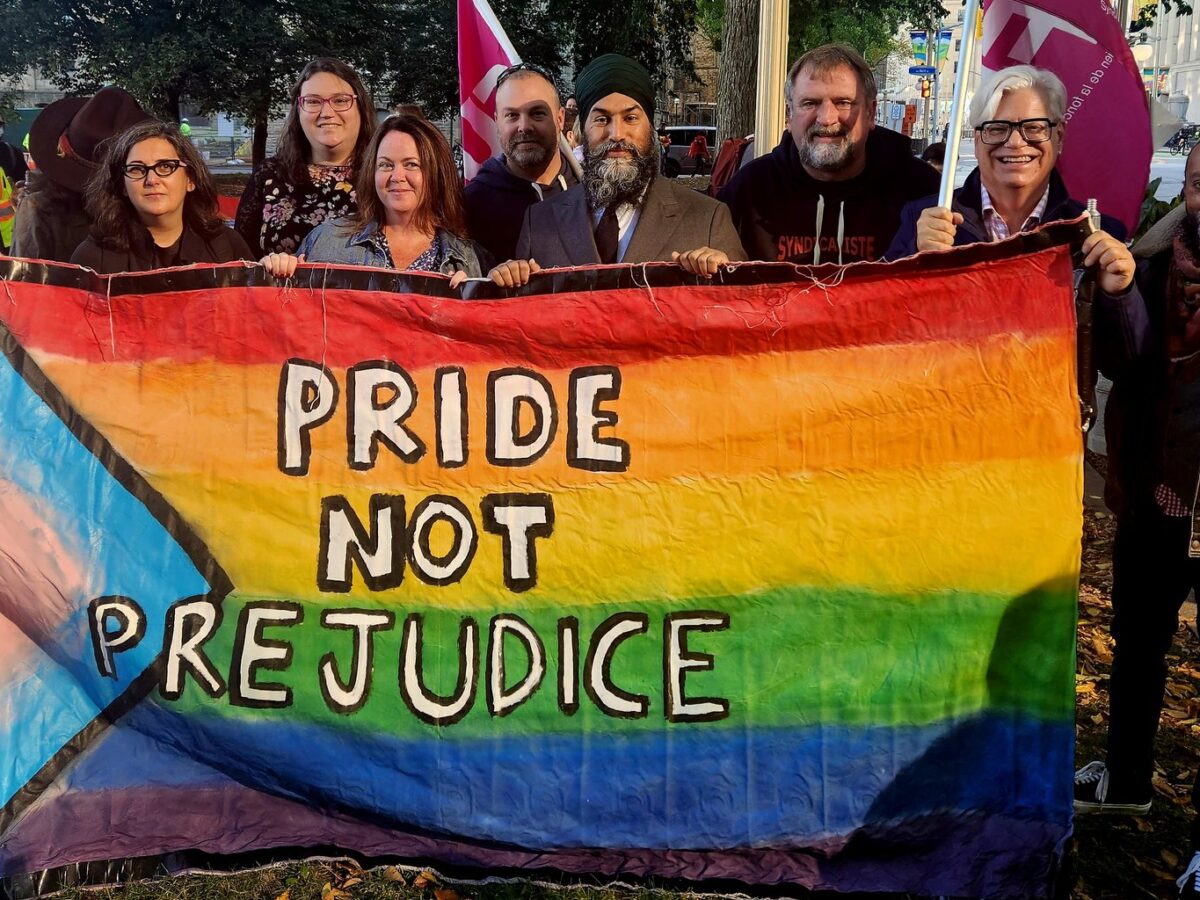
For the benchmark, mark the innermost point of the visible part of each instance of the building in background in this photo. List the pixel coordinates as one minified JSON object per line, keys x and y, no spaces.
{"x":26,"y":95}
{"x":900,"y":95}
{"x":691,"y":99}
{"x":1170,"y":51}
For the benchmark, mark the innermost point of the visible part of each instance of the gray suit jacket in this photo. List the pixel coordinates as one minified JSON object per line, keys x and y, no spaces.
{"x":558,"y":231}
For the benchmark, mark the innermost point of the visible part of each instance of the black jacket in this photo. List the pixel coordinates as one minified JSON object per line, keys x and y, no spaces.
{"x":780,"y":210}
{"x":496,"y":201}
{"x":12,"y":161}
{"x":1152,"y":417}
{"x":51,"y":221}
{"x":224,"y":246}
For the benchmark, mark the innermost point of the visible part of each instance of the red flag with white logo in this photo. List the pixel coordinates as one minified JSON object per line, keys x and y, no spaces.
{"x":1107,"y":147}
{"x":484,"y":51}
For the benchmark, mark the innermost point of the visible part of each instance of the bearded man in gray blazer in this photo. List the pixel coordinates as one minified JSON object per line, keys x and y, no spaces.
{"x":622,"y":211}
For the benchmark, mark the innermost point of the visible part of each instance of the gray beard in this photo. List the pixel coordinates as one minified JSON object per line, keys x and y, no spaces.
{"x":608,"y":181}
{"x":825,"y":157}
{"x":528,"y":156}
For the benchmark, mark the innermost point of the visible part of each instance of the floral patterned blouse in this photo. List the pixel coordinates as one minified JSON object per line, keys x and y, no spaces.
{"x":429,"y":261}
{"x":274,"y":216}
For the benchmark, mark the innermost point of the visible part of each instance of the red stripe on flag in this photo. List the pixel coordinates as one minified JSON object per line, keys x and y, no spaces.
{"x":267,"y":325}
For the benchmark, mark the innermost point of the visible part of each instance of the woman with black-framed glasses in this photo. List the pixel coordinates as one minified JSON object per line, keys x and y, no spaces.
{"x":311,"y":177}
{"x":153,"y":206}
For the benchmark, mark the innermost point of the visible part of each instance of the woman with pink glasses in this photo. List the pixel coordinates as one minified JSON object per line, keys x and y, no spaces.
{"x":311,"y":177}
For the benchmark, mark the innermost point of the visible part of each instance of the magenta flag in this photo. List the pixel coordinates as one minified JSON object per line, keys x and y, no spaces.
{"x":1106,"y":154}
{"x":484,"y":51}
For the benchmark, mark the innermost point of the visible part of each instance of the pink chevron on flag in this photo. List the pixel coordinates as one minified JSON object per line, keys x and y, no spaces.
{"x":484,"y":51}
{"x":1107,"y":147}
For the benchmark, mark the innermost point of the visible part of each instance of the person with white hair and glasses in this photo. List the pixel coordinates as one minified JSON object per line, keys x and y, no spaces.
{"x":1019,"y":131}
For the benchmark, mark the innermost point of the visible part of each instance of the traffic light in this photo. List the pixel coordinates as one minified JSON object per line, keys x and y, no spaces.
{"x":926,"y":85}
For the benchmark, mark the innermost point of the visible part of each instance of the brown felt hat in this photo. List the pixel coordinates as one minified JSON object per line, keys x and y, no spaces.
{"x":66,"y":138}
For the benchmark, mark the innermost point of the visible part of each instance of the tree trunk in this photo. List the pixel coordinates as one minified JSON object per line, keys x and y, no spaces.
{"x":739,"y":70}
{"x":258,"y":146}
{"x":174,"y":95}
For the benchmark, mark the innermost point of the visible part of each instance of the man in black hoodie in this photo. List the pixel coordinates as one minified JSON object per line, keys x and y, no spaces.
{"x":833,"y":189}
{"x":532,"y":167}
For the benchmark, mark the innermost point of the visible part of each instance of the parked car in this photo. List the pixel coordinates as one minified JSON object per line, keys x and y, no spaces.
{"x":678,"y":162}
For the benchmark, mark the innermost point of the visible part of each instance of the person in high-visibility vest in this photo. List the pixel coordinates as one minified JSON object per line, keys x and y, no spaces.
{"x":7,"y":212}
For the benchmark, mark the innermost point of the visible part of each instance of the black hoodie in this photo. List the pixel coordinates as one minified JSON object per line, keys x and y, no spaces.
{"x":778,"y":208}
{"x":496,"y":201}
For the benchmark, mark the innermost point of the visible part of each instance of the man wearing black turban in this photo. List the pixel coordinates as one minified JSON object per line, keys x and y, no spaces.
{"x":622,"y":211}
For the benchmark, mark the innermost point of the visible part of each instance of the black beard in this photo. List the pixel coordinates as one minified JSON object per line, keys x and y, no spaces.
{"x":609,"y":181}
{"x":1189,"y":233}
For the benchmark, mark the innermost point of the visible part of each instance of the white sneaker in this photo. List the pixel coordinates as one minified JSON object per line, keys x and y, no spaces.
{"x":1189,"y":881}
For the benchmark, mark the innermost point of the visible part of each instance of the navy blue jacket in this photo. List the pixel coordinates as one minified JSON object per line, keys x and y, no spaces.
{"x":968,"y":200}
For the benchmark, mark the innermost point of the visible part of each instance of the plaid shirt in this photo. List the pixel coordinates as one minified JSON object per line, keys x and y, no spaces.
{"x":997,"y":227}
{"x":1169,"y":502}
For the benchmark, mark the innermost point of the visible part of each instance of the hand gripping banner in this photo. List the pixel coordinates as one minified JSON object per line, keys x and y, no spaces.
{"x":770,"y":579}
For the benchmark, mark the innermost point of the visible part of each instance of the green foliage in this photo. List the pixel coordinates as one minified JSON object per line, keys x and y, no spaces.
{"x":1149,"y":13}
{"x":657,"y":33}
{"x":8,"y":105}
{"x":869,"y":26}
{"x":237,"y":58}
{"x":1153,"y":209}
{"x":423,"y":64}
{"x":710,"y":19}
{"x":240,"y":58}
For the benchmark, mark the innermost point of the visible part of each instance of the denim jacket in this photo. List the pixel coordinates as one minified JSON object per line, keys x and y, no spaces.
{"x":336,"y":242}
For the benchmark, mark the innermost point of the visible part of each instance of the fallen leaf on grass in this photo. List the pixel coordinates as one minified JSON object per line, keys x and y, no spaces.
{"x":446,"y":894}
{"x":1100,"y":645}
{"x":1171,"y":859}
{"x":1085,"y":687}
{"x":1154,"y":870}
{"x":286,"y":895}
{"x":329,"y":892}
{"x":391,"y":873}
{"x":1142,"y":825}
{"x":1163,"y":786}
{"x":349,"y":883}
{"x":425,"y":879}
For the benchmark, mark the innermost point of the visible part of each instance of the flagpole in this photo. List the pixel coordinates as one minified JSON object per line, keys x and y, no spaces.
{"x":569,"y":153}
{"x":966,"y":57}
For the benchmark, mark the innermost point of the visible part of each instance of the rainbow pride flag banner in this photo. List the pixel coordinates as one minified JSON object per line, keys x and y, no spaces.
{"x":767,"y":580}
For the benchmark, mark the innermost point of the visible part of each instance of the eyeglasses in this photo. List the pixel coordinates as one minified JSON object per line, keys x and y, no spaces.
{"x":312,"y":103}
{"x":524,"y":67}
{"x":163,"y":168}
{"x":1033,"y":131}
